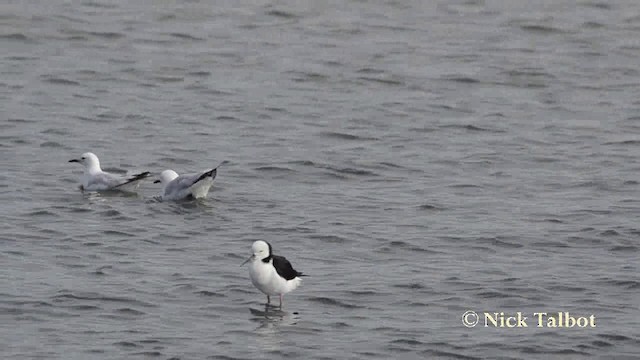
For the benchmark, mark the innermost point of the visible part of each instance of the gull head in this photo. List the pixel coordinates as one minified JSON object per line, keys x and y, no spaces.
{"x":89,"y":160}
{"x":260,"y":250}
{"x":166,"y":177}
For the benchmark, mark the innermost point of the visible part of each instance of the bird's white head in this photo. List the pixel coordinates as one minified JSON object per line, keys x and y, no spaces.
{"x":90,"y":162}
{"x":259,"y":251}
{"x":166,"y":177}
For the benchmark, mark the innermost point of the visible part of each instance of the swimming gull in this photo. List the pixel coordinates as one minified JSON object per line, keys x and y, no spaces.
{"x":94,"y":179}
{"x":180,"y":187}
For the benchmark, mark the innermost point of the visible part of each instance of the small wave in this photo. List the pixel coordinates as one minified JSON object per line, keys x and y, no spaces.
{"x":592,"y":25}
{"x":98,"y":297}
{"x":60,"y":81}
{"x":600,"y":343}
{"x":186,"y":37}
{"x":627,"y":284}
{"x":130,"y":311}
{"x":470,"y":127}
{"x":411,"y":286}
{"x":15,"y":36}
{"x":333,"y":302}
{"x":111,"y":213}
{"x":393,"y":82}
{"x":461,"y":79}
{"x":51,"y":144}
{"x":623,"y":142}
{"x":412,"y":342}
{"x":209,"y":293}
{"x":148,"y":353}
{"x":309,"y":77}
{"x":363,"y":292}
{"x":274,"y":169}
{"x":463,"y":186}
{"x":106,"y":35}
{"x":614,"y":337}
{"x":448,"y":355}
{"x":227,"y":118}
{"x":84,"y":307}
{"x":55,"y":131}
{"x":598,"y":5}
{"x":200,"y":73}
{"x":40,"y":213}
{"x":609,"y":232}
{"x":392,"y":165}
{"x":344,"y":136}
{"x":430,"y":207}
{"x":369,"y":71}
{"x":126,"y":344}
{"x":99,"y":5}
{"x":624,"y":248}
{"x":329,"y":238}
{"x":352,"y":171}
{"x":491,"y":294}
{"x":397,"y":244}
{"x":541,"y":29}
{"x":554,"y":221}
{"x":282,"y":14}
{"x":302,"y":162}
{"x":499,"y":243}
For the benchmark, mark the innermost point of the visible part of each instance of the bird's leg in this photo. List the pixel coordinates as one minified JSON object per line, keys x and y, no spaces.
{"x":280,"y":300}
{"x":268,"y":299}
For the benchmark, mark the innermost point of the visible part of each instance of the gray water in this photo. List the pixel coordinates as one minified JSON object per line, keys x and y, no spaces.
{"x":416,"y":159}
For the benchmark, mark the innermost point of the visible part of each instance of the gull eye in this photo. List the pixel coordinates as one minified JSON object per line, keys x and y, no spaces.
{"x":82,"y":158}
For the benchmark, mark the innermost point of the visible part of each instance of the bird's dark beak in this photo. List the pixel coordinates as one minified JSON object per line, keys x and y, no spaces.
{"x":246,"y":261}
{"x":157,"y":181}
{"x":74,"y":160}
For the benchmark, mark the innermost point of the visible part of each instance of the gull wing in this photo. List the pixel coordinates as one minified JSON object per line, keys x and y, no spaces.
{"x":108,"y":181}
{"x":133,"y":179}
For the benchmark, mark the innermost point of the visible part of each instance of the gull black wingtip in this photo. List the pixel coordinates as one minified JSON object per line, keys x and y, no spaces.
{"x":156,"y":182}
{"x":211,"y":173}
{"x":136,"y":177}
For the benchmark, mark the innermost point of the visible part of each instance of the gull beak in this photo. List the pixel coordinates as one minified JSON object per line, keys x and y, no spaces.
{"x":74,"y":160}
{"x":157,"y":181}
{"x":249,"y":259}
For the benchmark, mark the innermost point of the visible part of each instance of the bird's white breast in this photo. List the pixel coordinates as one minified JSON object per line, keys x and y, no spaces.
{"x":265,"y":277}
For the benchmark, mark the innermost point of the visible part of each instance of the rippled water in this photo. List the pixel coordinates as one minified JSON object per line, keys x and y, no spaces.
{"x":417,"y":159}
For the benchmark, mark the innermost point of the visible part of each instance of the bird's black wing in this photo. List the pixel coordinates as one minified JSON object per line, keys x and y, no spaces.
{"x":284,"y":268}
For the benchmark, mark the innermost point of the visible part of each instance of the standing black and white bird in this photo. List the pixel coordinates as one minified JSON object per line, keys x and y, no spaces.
{"x":94,"y":179}
{"x":271,"y":274}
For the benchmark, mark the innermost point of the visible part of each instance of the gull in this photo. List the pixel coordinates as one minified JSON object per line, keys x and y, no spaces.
{"x":94,"y":179}
{"x":180,"y":187}
{"x":271,"y":274}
